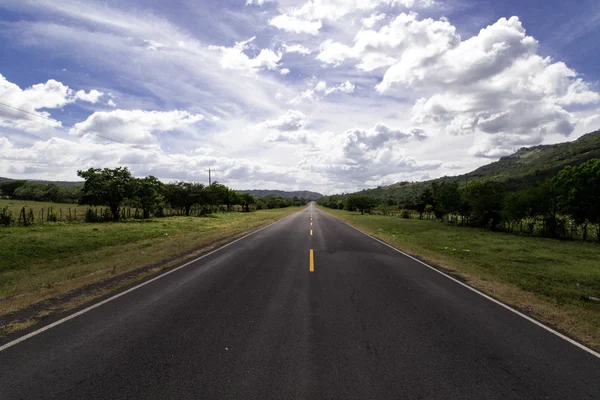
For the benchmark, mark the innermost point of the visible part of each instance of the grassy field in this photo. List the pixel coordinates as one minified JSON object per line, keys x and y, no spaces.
{"x":552,"y":280}
{"x":41,"y":262}
{"x":77,"y":212}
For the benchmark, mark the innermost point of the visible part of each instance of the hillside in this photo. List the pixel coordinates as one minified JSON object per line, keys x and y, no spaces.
{"x":58,"y":183}
{"x":303,"y":194}
{"x":525,"y":167}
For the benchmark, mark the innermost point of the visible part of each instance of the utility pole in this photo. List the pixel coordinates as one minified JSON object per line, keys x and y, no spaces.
{"x":209,"y":175}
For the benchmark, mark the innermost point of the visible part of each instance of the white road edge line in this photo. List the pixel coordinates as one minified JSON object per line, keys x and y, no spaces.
{"x":96,"y":305}
{"x":560,"y":335}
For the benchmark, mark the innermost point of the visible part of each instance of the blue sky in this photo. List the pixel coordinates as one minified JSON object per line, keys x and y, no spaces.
{"x":331,"y":96}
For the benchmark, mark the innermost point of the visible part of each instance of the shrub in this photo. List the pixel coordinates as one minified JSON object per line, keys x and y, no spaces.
{"x":6,"y":217}
{"x":160,"y":212}
{"x":90,"y":216}
{"x":52,"y":217}
{"x":405,"y":214}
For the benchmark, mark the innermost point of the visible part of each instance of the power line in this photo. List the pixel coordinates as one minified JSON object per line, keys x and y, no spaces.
{"x":62,"y":123}
{"x":84,"y":131}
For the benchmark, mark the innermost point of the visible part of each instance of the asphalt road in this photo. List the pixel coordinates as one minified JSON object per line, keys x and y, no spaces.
{"x":252,"y":322}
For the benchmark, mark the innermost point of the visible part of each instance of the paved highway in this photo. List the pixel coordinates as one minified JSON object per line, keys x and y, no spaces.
{"x":251,"y":321}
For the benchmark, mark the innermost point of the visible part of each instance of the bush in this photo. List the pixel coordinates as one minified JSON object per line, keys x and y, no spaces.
{"x":405,"y":214}
{"x":160,"y":212}
{"x":52,"y":217}
{"x":90,"y":216}
{"x":6,"y":217}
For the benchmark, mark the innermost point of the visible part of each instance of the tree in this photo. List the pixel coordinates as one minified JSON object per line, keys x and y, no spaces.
{"x":106,"y":187}
{"x":8,"y":188}
{"x":246,"y":199}
{"x":487,"y":202}
{"x":148,"y":194}
{"x":579,"y":193}
{"x":184,"y":195}
{"x":425,"y":198}
{"x":360,"y":202}
{"x":446,"y":198}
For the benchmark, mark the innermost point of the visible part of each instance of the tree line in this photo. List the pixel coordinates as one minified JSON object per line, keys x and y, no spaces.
{"x":116,"y":188}
{"x":574,"y":193}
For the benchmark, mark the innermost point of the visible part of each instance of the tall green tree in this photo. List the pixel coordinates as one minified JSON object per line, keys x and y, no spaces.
{"x":446,"y":198}
{"x":487,"y":202}
{"x":148,"y":194}
{"x":8,"y":188}
{"x":246,"y":200}
{"x":579,"y":193}
{"x":360,"y":202}
{"x":184,"y":195}
{"x":107,"y":187}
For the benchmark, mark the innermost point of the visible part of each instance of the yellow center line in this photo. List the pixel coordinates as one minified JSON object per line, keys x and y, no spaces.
{"x":311,"y":224}
{"x":312,"y":261}
{"x":311,"y":232}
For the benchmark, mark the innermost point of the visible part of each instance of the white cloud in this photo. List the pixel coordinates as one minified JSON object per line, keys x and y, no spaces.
{"x":494,"y":83}
{"x":258,"y":2}
{"x":134,"y":126}
{"x":291,"y":23}
{"x":296,"y":48}
{"x":92,"y":97}
{"x":292,"y":120}
{"x":284,"y":71}
{"x":405,"y":36}
{"x":111,"y":103}
{"x":345,"y":87}
{"x":372,"y":20}
{"x":49,"y":95}
{"x":359,"y":155}
{"x":234,"y":58}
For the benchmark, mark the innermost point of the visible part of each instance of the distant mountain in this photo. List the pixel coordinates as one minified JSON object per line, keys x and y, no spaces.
{"x":525,"y":167}
{"x":58,"y":183}
{"x":287,"y":195}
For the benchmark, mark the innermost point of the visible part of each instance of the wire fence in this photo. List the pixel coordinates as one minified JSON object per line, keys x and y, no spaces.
{"x":564,"y":227}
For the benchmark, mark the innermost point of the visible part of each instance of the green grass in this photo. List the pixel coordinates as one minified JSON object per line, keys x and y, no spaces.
{"x":46,"y":260}
{"x":15,"y":207}
{"x":556,"y":276}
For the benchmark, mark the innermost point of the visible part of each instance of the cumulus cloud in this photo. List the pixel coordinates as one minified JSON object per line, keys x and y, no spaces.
{"x":49,"y":95}
{"x":358,"y":156}
{"x":321,"y":89}
{"x":294,"y":24}
{"x":258,"y":2}
{"x":493,"y":83}
{"x":296,"y":48}
{"x":92,"y":97}
{"x":309,"y":17}
{"x":284,"y":71}
{"x":372,"y":20}
{"x":134,"y":126}
{"x":405,"y":35}
{"x":234,"y":57}
{"x":292,"y":120}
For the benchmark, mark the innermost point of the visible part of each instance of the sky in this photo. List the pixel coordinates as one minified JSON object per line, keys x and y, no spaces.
{"x":332,"y":96}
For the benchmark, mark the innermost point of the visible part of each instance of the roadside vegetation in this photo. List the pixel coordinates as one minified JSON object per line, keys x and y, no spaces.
{"x":556,"y":281}
{"x":566,"y":206}
{"x":114,"y":195}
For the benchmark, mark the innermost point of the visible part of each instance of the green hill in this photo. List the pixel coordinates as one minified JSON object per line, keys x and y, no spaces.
{"x":301,"y":194}
{"x":525,"y":167}
{"x":57,"y":183}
